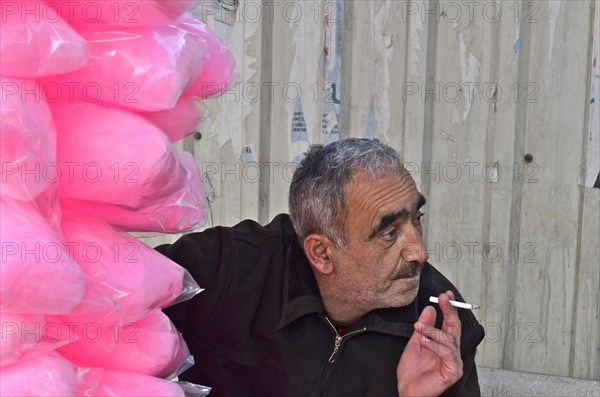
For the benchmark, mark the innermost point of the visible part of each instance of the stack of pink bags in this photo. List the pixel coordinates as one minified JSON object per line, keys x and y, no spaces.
{"x":93,"y":93}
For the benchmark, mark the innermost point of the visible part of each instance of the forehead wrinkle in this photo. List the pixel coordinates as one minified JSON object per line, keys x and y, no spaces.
{"x":383,"y":197}
{"x":385,"y":189}
{"x":385,"y":192}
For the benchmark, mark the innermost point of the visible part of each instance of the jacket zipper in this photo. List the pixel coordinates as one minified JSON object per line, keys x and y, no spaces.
{"x":336,"y":347}
{"x":338,"y":339}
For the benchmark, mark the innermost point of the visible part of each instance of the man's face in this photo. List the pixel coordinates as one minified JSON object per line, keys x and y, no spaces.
{"x":384,"y":254}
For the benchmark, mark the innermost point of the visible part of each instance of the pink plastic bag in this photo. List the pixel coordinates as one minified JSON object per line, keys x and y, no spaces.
{"x":149,"y":346}
{"x":106,"y":383}
{"x":53,"y":375}
{"x":134,"y":276}
{"x":218,"y":64}
{"x":142,"y":68}
{"x":181,"y":211}
{"x":180,"y":121}
{"x":28,"y":335}
{"x":44,"y":375}
{"x":116,"y":156}
{"x":37,"y":272}
{"x":27,"y":140}
{"x":120,"y":12}
{"x":35,"y":42}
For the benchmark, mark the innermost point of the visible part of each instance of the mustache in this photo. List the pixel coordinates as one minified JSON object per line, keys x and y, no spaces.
{"x":411,"y":269}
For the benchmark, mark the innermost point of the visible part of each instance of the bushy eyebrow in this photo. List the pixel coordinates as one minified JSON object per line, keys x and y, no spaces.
{"x":390,"y":218}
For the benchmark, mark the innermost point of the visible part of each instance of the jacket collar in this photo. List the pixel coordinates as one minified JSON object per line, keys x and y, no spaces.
{"x":301,"y":294}
{"x":301,"y":297}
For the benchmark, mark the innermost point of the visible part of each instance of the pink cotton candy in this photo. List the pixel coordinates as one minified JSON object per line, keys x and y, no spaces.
{"x":136,"y":277}
{"x":181,"y":211}
{"x":182,"y":120}
{"x":27,"y":140}
{"x":142,"y":68}
{"x":28,"y":335}
{"x":37,"y":274}
{"x":106,"y":383}
{"x":44,"y":375}
{"x":149,"y":346}
{"x":117,"y":157}
{"x":120,"y":12}
{"x":35,"y":42}
{"x":218,"y":64}
{"x":19,"y":333}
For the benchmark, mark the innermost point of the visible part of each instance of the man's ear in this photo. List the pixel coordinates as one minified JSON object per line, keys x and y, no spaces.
{"x":319,"y":251}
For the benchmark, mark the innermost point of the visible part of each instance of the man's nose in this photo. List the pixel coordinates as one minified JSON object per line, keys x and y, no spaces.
{"x":414,"y":249}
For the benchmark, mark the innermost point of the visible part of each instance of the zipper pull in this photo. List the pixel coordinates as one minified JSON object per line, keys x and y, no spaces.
{"x":336,"y":347}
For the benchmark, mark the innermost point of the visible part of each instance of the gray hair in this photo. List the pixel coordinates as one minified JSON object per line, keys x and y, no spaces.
{"x":317,"y":200}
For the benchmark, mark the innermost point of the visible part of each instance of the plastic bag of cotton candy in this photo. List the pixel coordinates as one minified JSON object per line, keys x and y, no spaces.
{"x":90,"y":106}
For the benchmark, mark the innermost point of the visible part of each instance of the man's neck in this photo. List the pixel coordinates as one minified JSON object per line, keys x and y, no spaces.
{"x":341,"y":317}
{"x":340,"y":311}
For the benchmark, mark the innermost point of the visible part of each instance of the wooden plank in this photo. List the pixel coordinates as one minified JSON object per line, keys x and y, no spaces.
{"x":373,"y":70}
{"x":295,"y":40}
{"x":397,"y":36}
{"x":455,"y":138}
{"x":584,"y":361}
{"x":540,"y":324}
{"x":497,"y":251}
{"x":585,"y":351}
{"x":419,"y":52}
{"x":245,"y":42}
{"x":468,"y":233}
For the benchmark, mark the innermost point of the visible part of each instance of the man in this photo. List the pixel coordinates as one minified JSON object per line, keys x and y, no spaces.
{"x":332,"y":299}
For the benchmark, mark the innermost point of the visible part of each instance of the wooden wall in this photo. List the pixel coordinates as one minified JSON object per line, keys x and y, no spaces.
{"x":491,"y":104}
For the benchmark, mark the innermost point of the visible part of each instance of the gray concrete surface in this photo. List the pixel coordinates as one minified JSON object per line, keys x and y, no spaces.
{"x":503,"y":383}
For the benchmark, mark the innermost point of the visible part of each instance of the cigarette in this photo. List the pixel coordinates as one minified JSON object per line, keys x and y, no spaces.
{"x":461,"y":305}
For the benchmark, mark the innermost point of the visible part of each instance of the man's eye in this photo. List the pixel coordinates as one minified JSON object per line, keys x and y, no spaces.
{"x":391,"y":235}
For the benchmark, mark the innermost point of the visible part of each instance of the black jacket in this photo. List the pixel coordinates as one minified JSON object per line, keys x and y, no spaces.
{"x":260,"y":329}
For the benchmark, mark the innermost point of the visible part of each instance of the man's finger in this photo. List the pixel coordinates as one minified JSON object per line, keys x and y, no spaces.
{"x":452,"y":361}
{"x":451,"y":323}
{"x":428,"y":316}
{"x":438,"y":336}
{"x":448,"y":354}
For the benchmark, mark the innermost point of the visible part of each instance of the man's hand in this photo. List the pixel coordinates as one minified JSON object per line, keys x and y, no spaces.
{"x":431,"y":361}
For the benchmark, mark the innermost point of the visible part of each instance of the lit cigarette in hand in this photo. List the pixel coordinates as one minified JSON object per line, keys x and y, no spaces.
{"x":461,"y":305}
